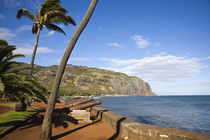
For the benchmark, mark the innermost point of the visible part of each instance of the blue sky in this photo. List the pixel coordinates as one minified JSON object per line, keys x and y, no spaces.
{"x":166,"y":43}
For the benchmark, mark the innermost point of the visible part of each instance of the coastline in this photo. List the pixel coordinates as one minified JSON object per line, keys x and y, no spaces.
{"x":107,"y":95}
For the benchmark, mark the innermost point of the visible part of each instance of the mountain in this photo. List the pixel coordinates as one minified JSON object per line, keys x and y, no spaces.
{"x":81,"y":80}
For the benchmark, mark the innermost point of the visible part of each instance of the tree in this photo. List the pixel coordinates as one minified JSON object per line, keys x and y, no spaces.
{"x":17,"y":83}
{"x":22,"y":86}
{"x":6,"y":57}
{"x":46,"y":129}
{"x":49,"y":13}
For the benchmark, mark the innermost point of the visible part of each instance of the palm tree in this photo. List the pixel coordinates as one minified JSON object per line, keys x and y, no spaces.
{"x":17,"y":83}
{"x":6,"y":56}
{"x":49,"y":13}
{"x":46,"y":129}
{"x":22,"y":86}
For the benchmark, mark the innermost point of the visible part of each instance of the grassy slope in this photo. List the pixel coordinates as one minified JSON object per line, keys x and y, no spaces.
{"x":80,"y":80}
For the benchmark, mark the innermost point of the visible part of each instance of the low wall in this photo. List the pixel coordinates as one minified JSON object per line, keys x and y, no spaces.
{"x":131,"y":130}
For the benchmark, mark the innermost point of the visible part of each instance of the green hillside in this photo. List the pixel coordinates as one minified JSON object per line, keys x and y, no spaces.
{"x":81,"y":80}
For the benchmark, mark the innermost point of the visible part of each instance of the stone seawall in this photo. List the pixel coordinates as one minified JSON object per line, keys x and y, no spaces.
{"x":131,"y":130}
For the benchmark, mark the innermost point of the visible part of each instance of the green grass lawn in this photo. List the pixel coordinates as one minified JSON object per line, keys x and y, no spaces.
{"x":12,"y":118}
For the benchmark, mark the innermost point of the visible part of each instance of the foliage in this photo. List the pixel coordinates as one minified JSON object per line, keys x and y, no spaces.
{"x":49,"y":14}
{"x":6,"y":57}
{"x":17,"y":83}
{"x":23,"y":86}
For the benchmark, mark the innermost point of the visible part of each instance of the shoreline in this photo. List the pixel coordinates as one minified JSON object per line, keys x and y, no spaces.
{"x":107,"y":95}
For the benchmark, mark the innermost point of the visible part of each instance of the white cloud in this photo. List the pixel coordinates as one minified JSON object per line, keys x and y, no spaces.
{"x":114,"y":44}
{"x":27,"y":49}
{"x":141,"y":42}
{"x":2,"y":16}
{"x":24,"y":28}
{"x":158,"y":68}
{"x":50,"y":33}
{"x":79,"y":59}
{"x":12,"y":3}
{"x":6,"y":34}
{"x":44,"y":50}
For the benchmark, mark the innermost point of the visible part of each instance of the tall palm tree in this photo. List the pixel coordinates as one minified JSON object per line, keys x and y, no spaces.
{"x":46,"y":129}
{"x":16,"y":83}
{"x":50,"y":12}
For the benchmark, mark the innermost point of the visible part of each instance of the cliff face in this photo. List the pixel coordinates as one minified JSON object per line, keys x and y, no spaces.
{"x":83,"y":81}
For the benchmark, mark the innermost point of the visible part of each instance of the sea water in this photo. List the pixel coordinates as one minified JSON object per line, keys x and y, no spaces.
{"x":183,"y":112}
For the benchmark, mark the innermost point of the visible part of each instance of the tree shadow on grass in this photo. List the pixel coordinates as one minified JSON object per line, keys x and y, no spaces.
{"x":13,"y":124}
{"x":60,"y":118}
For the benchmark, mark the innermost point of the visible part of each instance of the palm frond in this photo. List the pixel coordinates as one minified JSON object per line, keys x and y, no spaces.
{"x":56,"y":16}
{"x":20,"y":70}
{"x":50,"y":5}
{"x":63,"y":19}
{"x":3,"y":42}
{"x":52,"y":14}
{"x":35,"y":28}
{"x":14,"y":56}
{"x":5,"y":51}
{"x":26,"y":13}
{"x":5,"y":58}
{"x":54,"y":28}
{"x":6,"y":66}
{"x":23,"y":86}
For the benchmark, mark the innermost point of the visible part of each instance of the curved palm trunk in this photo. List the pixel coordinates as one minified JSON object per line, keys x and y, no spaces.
{"x":34,"y":51}
{"x":46,"y":128}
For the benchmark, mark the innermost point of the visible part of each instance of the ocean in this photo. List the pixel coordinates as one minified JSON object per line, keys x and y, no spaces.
{"x":183,"y":112}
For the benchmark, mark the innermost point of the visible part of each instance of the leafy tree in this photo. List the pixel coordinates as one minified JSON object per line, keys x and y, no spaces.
{"x":17,"y":83}
{"x":49,"y":14}
{"x":46,"y":129}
